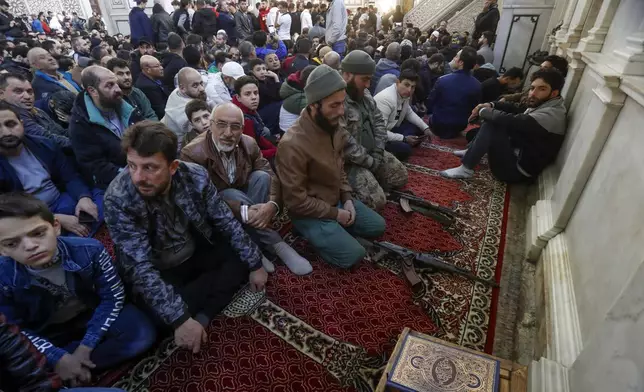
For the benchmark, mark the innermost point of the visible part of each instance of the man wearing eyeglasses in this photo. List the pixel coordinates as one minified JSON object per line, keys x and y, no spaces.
{"x":150,"y":82}
{"x":245,"y":181}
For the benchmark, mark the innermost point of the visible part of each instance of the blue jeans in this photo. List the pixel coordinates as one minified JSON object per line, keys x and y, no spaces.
{"x":131,"y":334}
{"x":335,"y":243}
{"x":339,"y":47}
{"x":66,"y":205}
{"x":402,"y":150}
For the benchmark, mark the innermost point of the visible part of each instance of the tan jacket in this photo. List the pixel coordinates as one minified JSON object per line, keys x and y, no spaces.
{"x":310,"y":165}
{"x":248,"y":158}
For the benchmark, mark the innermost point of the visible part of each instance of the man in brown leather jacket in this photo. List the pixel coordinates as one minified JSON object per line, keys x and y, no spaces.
{"x":244,"y":180}
{"x":315,"y":189}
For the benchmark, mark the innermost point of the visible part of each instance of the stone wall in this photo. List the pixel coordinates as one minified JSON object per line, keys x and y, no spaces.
{"x":19,"y":7}
{"x":585,"y":230}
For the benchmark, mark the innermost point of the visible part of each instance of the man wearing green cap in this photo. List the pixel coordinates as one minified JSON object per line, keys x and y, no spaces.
{"x":369,"y":167}
{"x":315,"y":189}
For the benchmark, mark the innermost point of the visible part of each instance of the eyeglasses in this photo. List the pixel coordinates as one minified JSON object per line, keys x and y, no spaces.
{"x":222,"y":125}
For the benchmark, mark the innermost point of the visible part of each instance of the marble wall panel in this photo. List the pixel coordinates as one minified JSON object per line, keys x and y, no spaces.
{"x":605,"y":231}
{"x":628,"y":19}
{"x":614,"y":359}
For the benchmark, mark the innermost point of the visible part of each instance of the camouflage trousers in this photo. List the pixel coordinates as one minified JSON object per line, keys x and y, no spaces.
{"x":368,"y":186}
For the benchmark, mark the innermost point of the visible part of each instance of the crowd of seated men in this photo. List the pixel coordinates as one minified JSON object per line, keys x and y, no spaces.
{"x":187,"y":144}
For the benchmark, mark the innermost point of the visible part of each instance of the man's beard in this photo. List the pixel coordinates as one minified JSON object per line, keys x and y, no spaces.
{"x":353,"y":90}
{"x":201,"y":96}
{"x":150,"y":190}
{"x":109,"y":102}
{"x":324,"y":123}
{"x":224,"y":147}
{"x":10,"y":142}
{"x":534,"y":102}
{"x":126,"y":88}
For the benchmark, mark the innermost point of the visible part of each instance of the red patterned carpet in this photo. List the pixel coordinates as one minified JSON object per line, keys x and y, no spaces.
{"x":334,"y":329}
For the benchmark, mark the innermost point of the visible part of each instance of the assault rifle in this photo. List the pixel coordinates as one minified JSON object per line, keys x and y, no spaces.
{"x":424,"y":260}
{"x":410,"y":202}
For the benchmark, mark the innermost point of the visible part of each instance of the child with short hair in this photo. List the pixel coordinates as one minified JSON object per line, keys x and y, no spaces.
{"x":270,"y":101}
{"x":65,"y":293}
{"x":198,"y":114}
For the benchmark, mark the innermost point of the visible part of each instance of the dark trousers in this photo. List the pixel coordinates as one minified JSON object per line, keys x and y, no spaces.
{"x":66,"y":205}
{"x":402,"y":150}
{"x":131,"y":334}
{"x":270,"y":115}
{"x":495,"y":142}
{"x":446,"y":131}
{"x":208,"y":280}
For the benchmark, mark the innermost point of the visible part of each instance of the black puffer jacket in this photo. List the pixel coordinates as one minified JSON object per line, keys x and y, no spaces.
{"x":204,"y":23}
{"x":162,"y":24}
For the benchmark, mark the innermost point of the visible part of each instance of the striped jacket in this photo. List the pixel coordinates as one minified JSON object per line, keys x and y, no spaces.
{"x":90,"y":276}
{"x":22,"y":364}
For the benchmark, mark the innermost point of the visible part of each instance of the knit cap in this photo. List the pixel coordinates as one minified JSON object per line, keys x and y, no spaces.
{"x":322,"y":82}
{"x":358,"y":62}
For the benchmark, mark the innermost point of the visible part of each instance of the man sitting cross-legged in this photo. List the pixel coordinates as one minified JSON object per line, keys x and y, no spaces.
{"x":65,"y":294}
{"x":244,"y":179}
{"x":315,"y":189}
{"x":181,"y":249}
{"x":519,"y":144}
{"x":404,"y":127}
{"x":37,"y":166}
{"x":369,"y":167}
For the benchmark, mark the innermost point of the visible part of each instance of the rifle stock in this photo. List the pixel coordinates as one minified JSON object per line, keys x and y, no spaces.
{"x":424,"y":260}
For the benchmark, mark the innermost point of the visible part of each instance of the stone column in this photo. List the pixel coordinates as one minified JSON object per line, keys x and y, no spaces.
{"x":570,"y":10}
{"x":574,"y":30}
{"x":595,"y":39}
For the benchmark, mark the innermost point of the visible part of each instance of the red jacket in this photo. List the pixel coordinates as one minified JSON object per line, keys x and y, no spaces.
{"x":263,"y":14}
{"x":268,"y":149}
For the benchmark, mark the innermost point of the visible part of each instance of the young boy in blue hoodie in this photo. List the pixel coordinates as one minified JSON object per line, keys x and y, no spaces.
{"x":64,"y":293}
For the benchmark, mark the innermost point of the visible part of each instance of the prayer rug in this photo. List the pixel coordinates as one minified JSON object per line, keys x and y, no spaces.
{"x":334,"y":329}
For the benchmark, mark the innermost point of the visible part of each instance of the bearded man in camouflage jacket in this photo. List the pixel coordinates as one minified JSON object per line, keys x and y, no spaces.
{"x":371,"y":170}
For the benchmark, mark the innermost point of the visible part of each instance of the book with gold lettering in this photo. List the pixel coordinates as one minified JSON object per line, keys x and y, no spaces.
{"x":425,"y":364}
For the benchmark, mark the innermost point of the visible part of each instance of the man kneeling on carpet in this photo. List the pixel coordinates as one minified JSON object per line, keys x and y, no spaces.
{"x":180,"y":248}
{"x":315,"y":189}
{"x":405,"y":129}
{"x":369,"y":167}
{"x":244,"y":179}
{"x":519,"y":144}
{"x":65,"y":294}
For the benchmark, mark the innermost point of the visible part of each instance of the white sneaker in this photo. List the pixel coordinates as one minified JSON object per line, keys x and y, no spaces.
{"x":460,"y":172}
{"x":460,"y":153}
{"x":296,"y":263}
{"x":268,"y":265}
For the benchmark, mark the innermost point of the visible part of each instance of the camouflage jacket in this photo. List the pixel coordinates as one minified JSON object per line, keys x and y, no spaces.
{"x":362,"y":129}
{"x":134,"y":229}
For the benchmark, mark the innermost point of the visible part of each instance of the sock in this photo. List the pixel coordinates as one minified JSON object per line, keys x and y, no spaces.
{"x":460,"y":172}
{"x":296,"y":263}
{"x":460,"y":153}
{"x":267,"y":264}
{"x":202,"y":319}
